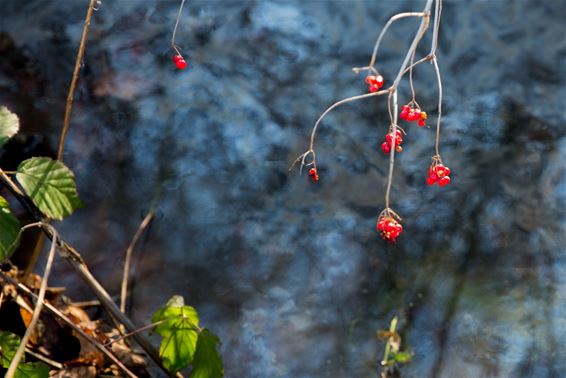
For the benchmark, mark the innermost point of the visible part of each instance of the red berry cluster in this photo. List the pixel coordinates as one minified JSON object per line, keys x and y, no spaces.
{"x":389,"y":228}
{"x":374,"y":82}
{"x":408,"y":113}
{"x":386,"y":146}
{"x":313,"y":174}
{"x":179,"y":61}
{"x":438,"y":174}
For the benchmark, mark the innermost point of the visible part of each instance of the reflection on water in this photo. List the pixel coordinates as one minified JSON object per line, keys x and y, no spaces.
{"x":291,"y":275}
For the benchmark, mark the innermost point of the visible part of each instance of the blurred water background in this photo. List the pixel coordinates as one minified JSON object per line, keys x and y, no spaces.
{"x":292,"y":276}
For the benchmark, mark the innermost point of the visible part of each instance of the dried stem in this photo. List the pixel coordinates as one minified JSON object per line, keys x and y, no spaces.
{"x":39,"y":305}
{"x":422,"y":28}
{"x":391,"y":20}
{"x":71,"y":94}
{"x":437,"y":71}
{"x":143,"y":225}
{"x":173,"y":44}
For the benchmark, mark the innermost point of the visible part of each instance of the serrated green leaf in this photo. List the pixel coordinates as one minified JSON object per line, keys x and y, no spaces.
{"x":9,"y":230}
{"x":32,"y":370}
{"x":207,"y":362}
{"x":9,"y":125}
{"x":50,"y":185}
{"x":9,"y":344}
{"x":179,"y":331}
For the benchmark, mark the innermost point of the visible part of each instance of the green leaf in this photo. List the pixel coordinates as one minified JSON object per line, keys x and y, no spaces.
{"x":207,"y":362}
{"x":32,"y":370}
{"x":50,"y":185}
{"x":9,"y":125}
{"x":179,"y":331}
{"x":9,"y":344}
{"x":9,"y":230}
{"x":402,"y":357}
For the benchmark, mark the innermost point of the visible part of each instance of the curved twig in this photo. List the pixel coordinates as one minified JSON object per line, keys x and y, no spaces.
{"x":39,"y":305}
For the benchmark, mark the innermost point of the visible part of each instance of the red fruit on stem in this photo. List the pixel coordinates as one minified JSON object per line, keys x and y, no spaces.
{"x":444,"y":181}
{"x":177,"y":58}
{"x":421,"y":122}
{"x":181,"y":64}
{"x":430,"y":181}
{"x":312,"y":172}
{"x":398,"y":148}
{"x":386,"y":147}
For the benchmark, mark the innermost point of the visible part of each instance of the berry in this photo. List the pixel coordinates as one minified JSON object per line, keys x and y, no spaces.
{"x":398,"y":148}
{"x":374,"y":82}
{"x":421,"y":122}
{"x":444,"y":181}
{"x":386,"y":147}
{"x":177,"y":58}
{"x":313,"y":174}
{"x":438,"y":173}
{"x":398,"y":138}
{"x":181,"y":64}
{"x":424,"y":116}
{"x":389,"y":228}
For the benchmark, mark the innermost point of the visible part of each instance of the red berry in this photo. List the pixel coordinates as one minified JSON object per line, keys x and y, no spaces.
{"x":404,"y":114}
{"x":424,"y":116}
{"x":446,"y":171}
{"x":398,"y":148}
{"x":421,"y":122}
{"x":430,"y":180}
{"x":373,"y":88}
{"x":386,"y":147}
{"x":379,"y":80}
{"x":398,"y":138}
{"x":312,"y":172}
{"x":444,"y":181}
{"x":177,"y":58}
{"x":440,"y":171}
{"x":181,"y":64}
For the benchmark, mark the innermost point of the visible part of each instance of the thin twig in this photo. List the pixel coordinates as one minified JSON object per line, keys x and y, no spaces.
{"x":41,"y":357}
{"x":143,"y":225}
{"x":436,"y":26}
{"x":423,"y":26}
{"x":173,"y":44}
{"x":38,"y":306}
{"x":437,"y":71}
{"x":337,"y":104}
{"x":391,"y":20}
{"x":63,"y":317}
{"x":71,"y":94}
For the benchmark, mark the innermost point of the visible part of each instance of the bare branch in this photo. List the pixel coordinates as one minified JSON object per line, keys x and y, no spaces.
{"x":71,"y":94}
{"x":143,"y":225}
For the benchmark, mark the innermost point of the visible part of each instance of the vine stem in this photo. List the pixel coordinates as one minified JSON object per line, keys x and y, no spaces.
{"x":387,"y":25}
{"x":335,"y":105}
{"x":41,"y":296}
{"x":437,"y":71}
{"x":71,"y":94}
{"x":173,"y":45}
{"x":128,"y":261}
{"x":423,"y":26}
